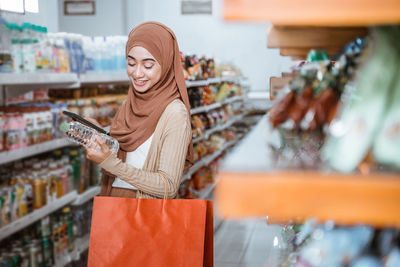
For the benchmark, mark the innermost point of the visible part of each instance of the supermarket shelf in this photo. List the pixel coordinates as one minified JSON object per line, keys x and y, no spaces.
{"x":218,"y":128}
{"x":208,"y":189}
{"x":9,"y":156}
{"x":86,"y":196}
{"x":80,"y":245}
{"x":303,"y":52}
{"x":205,"y":108}
{"x":284,"y":196}
{"x":314,"y":12}
{"x":37,"y":78}
{"x":212,"y":81}
{"x":233,"y":99}
{"x":216,"y":105}
{"x":104,"y":77}
{"x":298,"y":41}
{"x":207,"y":160}
{"x":197,"y":83}
{"x":63,"y":261}
{"x":312,"y":37}
{"x":30,"y":218}
{"x":71,"y":80}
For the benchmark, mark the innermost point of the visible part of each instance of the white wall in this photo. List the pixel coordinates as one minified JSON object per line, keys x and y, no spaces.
{"x":244,"y":44}
{"x":47,"y":16}
{"x":109,"y":19}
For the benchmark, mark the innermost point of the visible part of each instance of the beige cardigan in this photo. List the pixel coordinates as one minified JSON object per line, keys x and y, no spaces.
{"x":162,"y":171}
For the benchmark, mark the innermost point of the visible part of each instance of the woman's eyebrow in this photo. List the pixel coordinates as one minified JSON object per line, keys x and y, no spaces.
{"x":146,"y":59}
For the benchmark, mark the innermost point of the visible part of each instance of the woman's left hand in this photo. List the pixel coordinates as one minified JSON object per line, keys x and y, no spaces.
{"x":95,"y":155}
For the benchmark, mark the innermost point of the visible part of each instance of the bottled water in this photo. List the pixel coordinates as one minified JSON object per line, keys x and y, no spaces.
{"x":86,"y":136}
{"x":5,"y":47}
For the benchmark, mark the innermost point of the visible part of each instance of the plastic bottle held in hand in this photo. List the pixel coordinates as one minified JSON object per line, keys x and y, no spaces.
{"x":86,"y":136}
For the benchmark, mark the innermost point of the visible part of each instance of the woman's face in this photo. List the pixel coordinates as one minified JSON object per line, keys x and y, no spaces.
{"x":143,"y":69}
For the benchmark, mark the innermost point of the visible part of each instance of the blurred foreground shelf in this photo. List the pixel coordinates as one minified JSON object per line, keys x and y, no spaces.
{"x":298,"y":41}
{"x":314,"y":12}
{"x":295,"y":196}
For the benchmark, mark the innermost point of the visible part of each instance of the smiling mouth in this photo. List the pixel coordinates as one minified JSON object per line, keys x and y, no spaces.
{"x":139,"y":82}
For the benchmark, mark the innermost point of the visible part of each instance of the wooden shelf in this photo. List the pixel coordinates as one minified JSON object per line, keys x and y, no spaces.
{"x":312,"y":37}
{"x":303,"y":52}
{"x":285,"y":196}
{"x":314,"y":12}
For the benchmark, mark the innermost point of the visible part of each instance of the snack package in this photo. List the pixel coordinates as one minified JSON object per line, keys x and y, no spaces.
{"x":352,"y":135}
{"x":386,"y":148}
{"x":300,"y":105}
{"x":280,"y":111}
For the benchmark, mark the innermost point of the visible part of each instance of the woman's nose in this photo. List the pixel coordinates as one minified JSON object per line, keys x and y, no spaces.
{"x":139,"y":72}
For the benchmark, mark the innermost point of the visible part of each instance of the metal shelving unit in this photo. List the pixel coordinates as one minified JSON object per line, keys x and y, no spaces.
{"x":71,"y":198}
{"x":216,"y":105}
{"x":211,"y":81}
{"x":32,"y":217}
{"x":205,"y":192}
{"x":9,"y":156}
{"x":11,"y":79}
{"x":86,"y":196}
{"x":20,"y":82}
{"x":218,"y":128}
{"x":81,"y":244}
{"x":104,"y":77}
{"x":207,"y":160}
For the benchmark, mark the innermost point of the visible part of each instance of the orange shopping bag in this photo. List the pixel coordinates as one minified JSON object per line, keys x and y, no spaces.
{"x":151,"y":232}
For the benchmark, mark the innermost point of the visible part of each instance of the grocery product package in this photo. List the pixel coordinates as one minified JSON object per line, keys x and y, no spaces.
{"x":386,"y":148}
{"x":352,"y":135}
{"x":151,"y":232}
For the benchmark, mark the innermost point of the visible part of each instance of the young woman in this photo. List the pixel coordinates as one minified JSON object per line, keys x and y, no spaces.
{"x":153,"y":125}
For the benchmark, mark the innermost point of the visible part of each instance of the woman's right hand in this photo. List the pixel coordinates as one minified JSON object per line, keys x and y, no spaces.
{"x":95,"y":122}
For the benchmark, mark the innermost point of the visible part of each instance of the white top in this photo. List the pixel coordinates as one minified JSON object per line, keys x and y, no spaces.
{"x":136,"y":159}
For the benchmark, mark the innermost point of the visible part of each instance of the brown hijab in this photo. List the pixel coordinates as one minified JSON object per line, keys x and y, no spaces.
{"x":137,"y":118}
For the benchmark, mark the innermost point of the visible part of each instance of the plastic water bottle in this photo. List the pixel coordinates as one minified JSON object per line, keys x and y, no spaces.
{"x":16,"y":47}
{"x":86,"y":136}
{"x":5,"y":47}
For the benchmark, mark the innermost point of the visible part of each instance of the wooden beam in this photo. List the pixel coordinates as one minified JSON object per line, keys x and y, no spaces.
{"x":312,"y":37}
{"x":315,"y":12}
{"x":293,"y":52}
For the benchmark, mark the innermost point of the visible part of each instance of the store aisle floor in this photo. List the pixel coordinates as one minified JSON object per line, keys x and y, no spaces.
{"x":248,"y":243}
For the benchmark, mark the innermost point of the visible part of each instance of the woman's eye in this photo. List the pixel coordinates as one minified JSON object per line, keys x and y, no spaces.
{"x":148,"y":66}
{"x":131,"y":64}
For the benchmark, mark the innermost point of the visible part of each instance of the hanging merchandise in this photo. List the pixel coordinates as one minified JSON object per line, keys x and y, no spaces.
{"x":352,"y":135}
{"x":386,"y":148}
{"x":308,"y":105}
